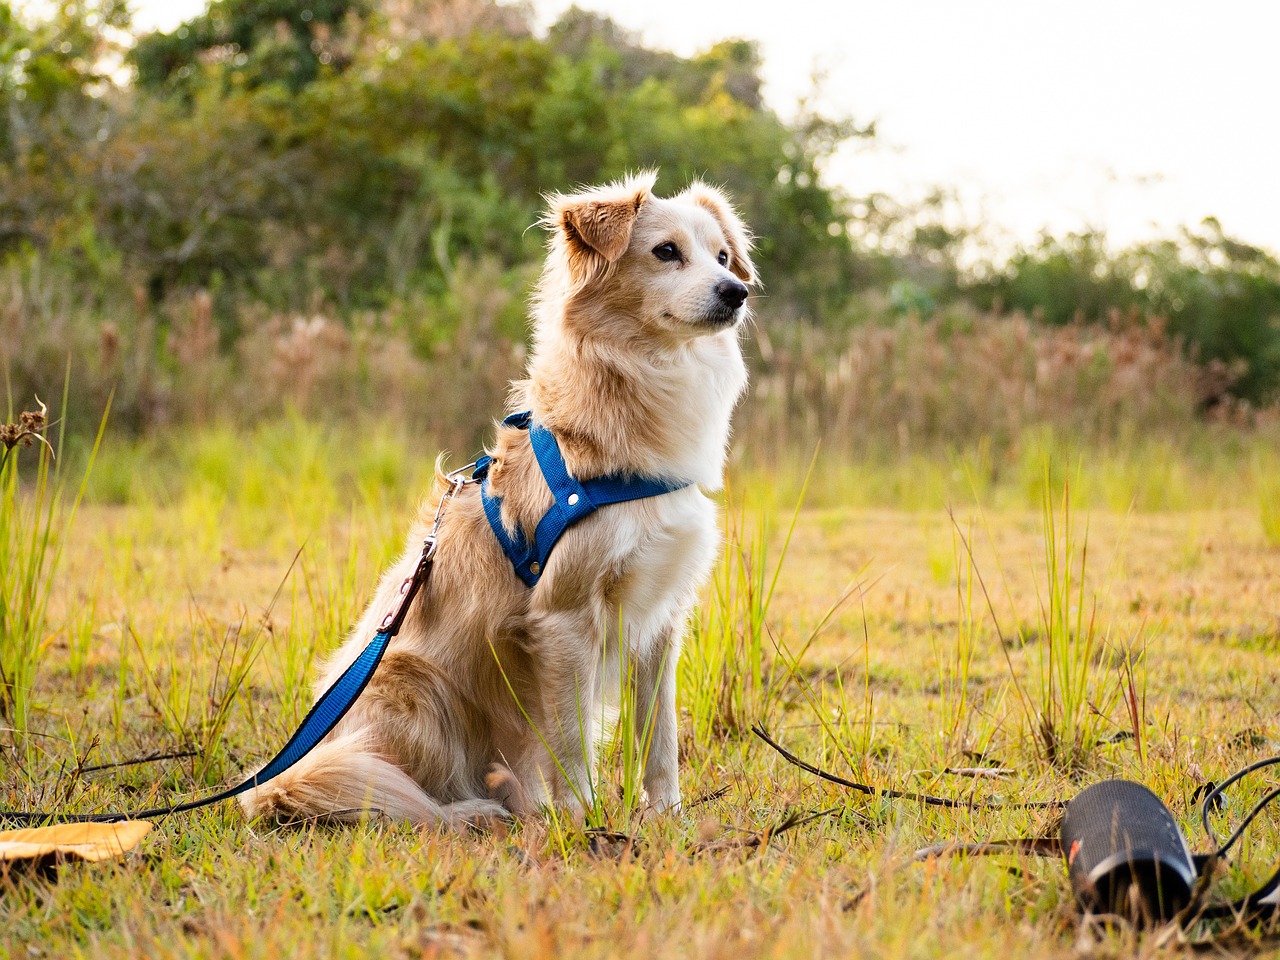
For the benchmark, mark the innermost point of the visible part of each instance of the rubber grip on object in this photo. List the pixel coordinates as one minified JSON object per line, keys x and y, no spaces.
{"x":1125,"y":853}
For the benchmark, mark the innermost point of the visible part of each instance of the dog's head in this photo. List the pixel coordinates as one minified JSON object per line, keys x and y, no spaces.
{"x":680,"y":265}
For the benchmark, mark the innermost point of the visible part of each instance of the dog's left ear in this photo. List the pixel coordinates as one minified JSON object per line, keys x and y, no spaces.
{"x":594,"y":226}
{"x":735,"y":232}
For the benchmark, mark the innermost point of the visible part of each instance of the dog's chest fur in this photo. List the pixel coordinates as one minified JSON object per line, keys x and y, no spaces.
{"x":640,"y":562}
{"x":670,"y":543}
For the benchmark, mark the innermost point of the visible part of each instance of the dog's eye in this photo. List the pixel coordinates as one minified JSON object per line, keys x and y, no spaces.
{"x":723,"y":259}
{"x":667,"y":252}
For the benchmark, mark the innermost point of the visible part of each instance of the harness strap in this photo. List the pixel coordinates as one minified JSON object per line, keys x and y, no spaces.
{"x":574,"y":500}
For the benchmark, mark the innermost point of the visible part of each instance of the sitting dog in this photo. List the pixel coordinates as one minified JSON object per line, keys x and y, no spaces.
{"x":488,"y":701}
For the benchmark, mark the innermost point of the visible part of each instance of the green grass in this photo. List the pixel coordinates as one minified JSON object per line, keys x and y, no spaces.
{"x":35,"y":520}
{"x":857,"y":628}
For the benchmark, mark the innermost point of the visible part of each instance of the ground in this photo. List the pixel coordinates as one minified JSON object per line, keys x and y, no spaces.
{"x":951,"y":644}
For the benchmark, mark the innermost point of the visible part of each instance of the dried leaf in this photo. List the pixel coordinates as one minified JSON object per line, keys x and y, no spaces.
{"x":83,"y":841}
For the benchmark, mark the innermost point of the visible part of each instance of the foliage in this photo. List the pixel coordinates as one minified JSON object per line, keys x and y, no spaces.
{"x":63,"y":54}
{"x":50,"y":73}
{"x":256,"y":42}
{"x":285,"y":150}
{"x":379,"y":165}
{"x":1221,"y":297}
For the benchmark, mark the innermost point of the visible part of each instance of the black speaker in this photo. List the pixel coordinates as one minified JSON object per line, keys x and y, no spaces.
{"x":1125,"y":853}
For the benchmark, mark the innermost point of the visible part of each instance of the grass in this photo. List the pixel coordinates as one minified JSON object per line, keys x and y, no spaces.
{"x":35,"y":520}
{"x":858,"y":630}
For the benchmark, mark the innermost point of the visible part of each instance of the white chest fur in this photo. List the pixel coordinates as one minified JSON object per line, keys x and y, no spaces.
{"x":668,"y":563}
{"x":705,"y":381}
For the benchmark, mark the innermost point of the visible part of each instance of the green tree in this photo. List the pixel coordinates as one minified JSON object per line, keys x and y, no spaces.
{"x":255,"y":41}
{"x":54,"y":78}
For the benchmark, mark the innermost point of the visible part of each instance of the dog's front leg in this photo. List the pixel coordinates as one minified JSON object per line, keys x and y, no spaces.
{"x":655,"y":689}
{"x":567,"y":676}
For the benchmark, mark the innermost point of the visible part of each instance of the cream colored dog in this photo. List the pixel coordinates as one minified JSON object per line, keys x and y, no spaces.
{"x":636,"y":369}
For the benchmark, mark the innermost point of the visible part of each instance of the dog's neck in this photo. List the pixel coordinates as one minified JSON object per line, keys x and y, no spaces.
{"x":617,"y":408}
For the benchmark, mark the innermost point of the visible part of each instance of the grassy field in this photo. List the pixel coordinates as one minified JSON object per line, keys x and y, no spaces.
{"x":935,"y":625}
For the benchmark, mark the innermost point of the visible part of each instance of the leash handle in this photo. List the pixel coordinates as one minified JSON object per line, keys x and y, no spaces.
{"x":1125,"y":853}
{"x":330,"y":707}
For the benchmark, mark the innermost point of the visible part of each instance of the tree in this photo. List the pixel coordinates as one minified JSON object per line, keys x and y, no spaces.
{"x":254,"y":41}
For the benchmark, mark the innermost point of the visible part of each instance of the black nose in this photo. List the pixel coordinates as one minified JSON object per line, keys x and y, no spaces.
{"x":731,"y":293}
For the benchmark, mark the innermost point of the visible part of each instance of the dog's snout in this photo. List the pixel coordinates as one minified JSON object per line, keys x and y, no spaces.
{"x":731,"y":292}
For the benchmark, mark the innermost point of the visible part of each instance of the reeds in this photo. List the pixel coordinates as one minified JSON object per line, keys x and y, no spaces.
{"x":912,"y":385}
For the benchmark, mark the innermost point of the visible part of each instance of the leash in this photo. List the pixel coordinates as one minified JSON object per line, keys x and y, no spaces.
{"x":329,"y":708}
{"x":574,"y":500}
{"x":1124,"y":851}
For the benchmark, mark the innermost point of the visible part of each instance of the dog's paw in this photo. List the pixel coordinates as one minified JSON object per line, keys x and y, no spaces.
{"x":662,"y":800}
{"x":482,"y":814}
{"x":505,"y":788}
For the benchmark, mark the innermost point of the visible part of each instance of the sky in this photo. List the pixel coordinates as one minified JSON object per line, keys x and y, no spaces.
{"x":1129,"y":116}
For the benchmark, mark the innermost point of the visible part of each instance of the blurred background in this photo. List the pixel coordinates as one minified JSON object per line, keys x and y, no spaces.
{"x":979,"y":225}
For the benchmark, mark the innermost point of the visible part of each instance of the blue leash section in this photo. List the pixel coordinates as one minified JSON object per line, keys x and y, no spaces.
{"x":574,"y":499}
{"x":323,"y":716}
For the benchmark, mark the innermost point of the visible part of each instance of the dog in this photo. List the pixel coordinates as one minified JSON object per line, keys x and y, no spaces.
{"x":488,"y":702}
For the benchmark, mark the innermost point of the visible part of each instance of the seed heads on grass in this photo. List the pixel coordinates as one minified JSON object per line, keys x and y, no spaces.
{"x":28,"y":430}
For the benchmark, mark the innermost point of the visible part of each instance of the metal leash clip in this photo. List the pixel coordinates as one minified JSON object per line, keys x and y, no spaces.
{"x":457,"y":480}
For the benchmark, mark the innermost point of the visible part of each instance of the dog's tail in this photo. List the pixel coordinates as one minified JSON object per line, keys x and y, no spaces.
{"x":342,"y":779}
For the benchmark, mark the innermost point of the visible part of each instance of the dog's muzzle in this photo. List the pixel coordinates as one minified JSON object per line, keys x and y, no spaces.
{"x":730,"y":295}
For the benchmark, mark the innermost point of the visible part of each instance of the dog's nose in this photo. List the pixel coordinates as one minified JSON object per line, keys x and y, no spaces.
{"x":731,"y":293}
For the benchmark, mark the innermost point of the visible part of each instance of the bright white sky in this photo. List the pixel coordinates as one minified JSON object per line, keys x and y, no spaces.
{"x":1129,"y":115}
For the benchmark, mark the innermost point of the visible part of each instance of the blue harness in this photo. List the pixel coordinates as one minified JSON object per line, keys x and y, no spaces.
{"x":574,"y":499}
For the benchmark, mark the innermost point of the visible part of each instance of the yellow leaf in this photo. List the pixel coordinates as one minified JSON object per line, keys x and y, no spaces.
{"x":85,"y":841}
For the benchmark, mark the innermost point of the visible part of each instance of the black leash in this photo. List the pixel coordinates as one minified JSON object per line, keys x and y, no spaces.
{"x":925,"y":798}
{"x":1124,"y":851}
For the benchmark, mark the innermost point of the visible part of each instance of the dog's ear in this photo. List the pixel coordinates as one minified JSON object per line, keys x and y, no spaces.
{"x":593,"y":227}
{"x":735,"y":232}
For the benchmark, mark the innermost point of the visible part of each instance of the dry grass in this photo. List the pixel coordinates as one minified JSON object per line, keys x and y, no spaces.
{"x":160,"y":601}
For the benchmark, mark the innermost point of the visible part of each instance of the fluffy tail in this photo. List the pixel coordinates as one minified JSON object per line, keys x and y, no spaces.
{"x":343,"y":780}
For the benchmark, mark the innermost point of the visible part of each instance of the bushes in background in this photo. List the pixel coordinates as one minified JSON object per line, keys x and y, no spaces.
{"x":337,"y":194}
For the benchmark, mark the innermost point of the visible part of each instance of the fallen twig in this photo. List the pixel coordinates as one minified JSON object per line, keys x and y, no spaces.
{"x":991,"y":773}
{"x":758,"y":839}
{"x":149,"y":758}
{"x":1038,"y":846}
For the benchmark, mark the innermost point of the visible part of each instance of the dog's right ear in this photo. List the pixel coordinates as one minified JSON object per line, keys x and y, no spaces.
{"x":593,"y":227}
